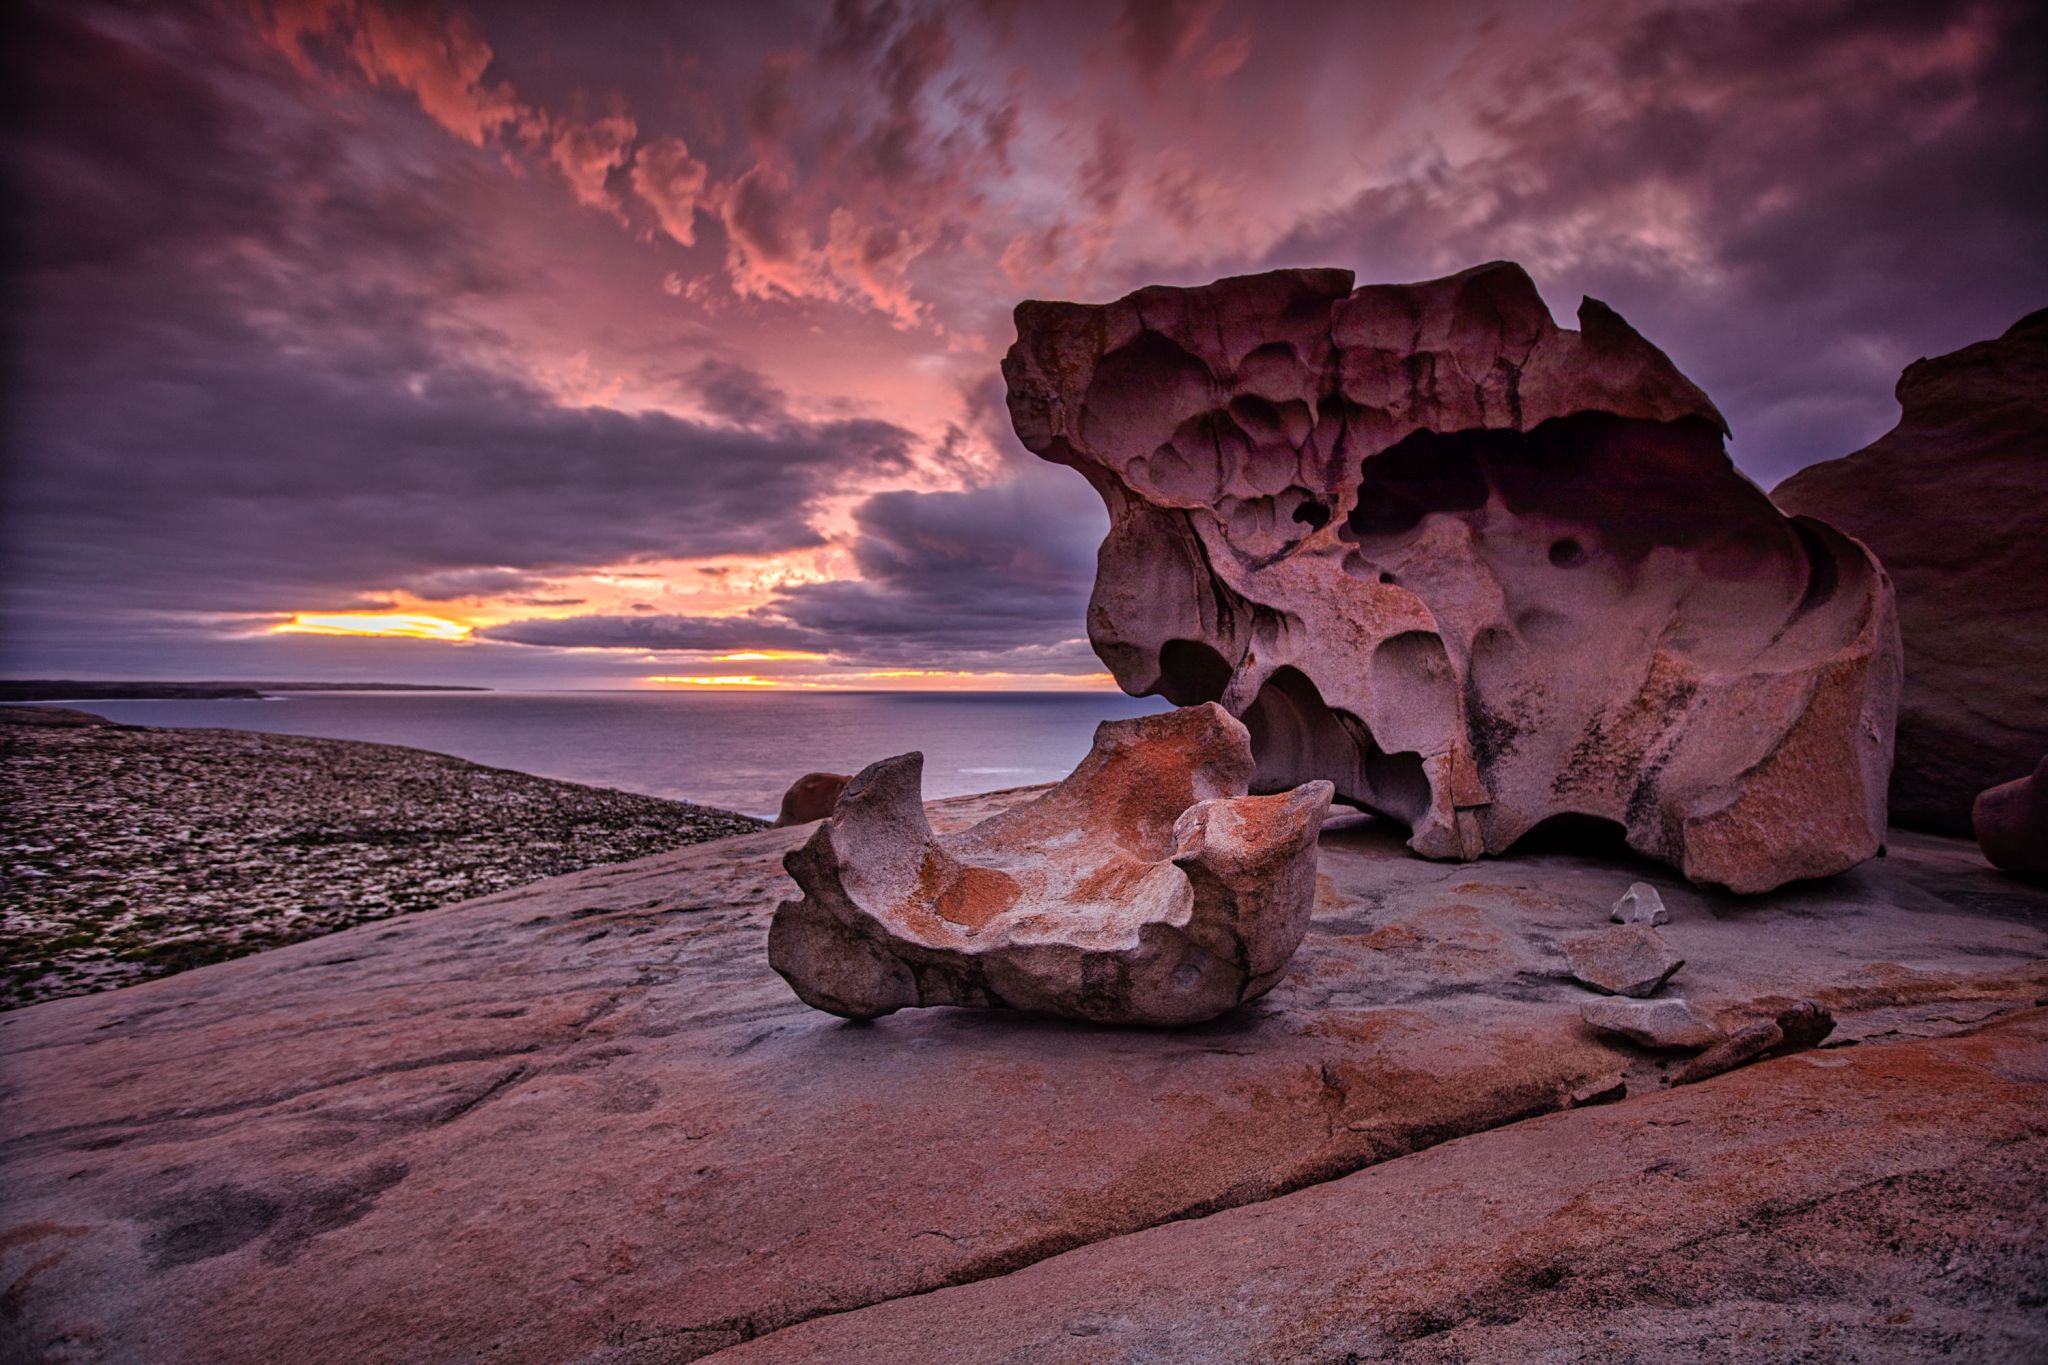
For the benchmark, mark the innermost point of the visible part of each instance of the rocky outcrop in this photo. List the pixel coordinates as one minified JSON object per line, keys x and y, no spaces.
{"x":1145,"y":888}
{"x":810,"y":797}
{"x":583,"y":1121}
{"x":1476,"y":570}
{"x":1865,"y":1206}
{"x":1954,"y":500}
{"x":2011,"y":822}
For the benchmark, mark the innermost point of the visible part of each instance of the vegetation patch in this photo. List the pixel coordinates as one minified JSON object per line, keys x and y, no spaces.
{"x":129,"y":853}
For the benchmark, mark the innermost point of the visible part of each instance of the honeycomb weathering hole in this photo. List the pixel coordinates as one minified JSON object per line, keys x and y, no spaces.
{"x":1313,"y":515}
{"x":1191,"y":672}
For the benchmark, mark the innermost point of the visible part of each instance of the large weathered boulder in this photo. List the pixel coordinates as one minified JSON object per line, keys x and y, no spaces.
{"x":1476,"y":570}
{"x":2011,"y":820}
{"x":1146,"y":888}
{"x":1954,"y":500}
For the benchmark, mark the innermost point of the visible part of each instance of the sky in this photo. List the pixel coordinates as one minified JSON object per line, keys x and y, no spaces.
{"x":574,"y":345}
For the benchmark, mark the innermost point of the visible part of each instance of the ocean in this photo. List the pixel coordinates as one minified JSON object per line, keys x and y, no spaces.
{"x":736,"y":751}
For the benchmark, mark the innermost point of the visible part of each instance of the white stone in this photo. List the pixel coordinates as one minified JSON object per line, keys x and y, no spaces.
{"x":1640,"y":904}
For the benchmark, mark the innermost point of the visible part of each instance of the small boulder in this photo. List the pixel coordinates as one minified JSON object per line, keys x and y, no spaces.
{"x":2012,"y":824}
{"x":1672,"y":1023}
{"x":1628,"y":959}
{"x":1640,"y":904}
{"x":811,"y":797}
{"x":1794,"y":1030}
{"x":1804,"y":1026}
{"x":1147,"y":887}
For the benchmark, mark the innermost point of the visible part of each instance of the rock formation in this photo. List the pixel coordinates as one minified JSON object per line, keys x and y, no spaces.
{"x":2012,"y":824}
{"x":810,"y":797}
{"x":621,"y":1138}
{"x":1146,"y":888}
{"x":1629,"y":959}
{"x":1954,"y":500}
{"x":1475,"y":570}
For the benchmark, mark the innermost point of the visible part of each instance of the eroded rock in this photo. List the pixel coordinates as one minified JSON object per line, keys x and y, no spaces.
{"x":2011,"y":821}
{"x":1628,"y":959}
{"x":1673,"y":1023}
{"x":1951,"y":500}
{"x":810,"y":797}
{"x":1475,"y":570}
{"x":1146,"y":888}
{"x":1640,"y":904}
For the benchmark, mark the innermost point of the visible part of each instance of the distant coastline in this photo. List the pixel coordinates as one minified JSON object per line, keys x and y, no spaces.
{"x":66,"y":689}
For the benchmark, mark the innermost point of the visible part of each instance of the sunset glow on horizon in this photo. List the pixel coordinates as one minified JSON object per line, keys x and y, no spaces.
{"x":391,"y":626}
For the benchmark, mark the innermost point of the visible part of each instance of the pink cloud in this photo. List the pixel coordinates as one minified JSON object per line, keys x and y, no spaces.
{"x":588,"y":153}
{"x":441,"y":61}
{"x":673,"y":183}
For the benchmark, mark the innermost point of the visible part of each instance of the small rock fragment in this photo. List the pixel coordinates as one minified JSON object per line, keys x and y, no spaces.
{"x":1743,"y":1045}
{"x":1606,"y":1090}
{"x":1671,"y":1023}
{"x":1631,"y":959}
{"x":1640,"y":904}
{"x":1794,"y":1030}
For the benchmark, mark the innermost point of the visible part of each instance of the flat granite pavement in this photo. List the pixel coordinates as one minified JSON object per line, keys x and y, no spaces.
{"x":582,"y":1120}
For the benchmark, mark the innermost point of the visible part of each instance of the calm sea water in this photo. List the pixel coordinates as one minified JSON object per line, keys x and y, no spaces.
{"x":739,"y":752}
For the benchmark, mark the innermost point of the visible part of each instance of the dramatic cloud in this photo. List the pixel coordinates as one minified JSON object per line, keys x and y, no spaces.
{"x":995,"y":577}
{"x":440,"y":59}
{"x":696,"y":633}
{"x":1795,"y":201}
{"x":671,"y":332}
